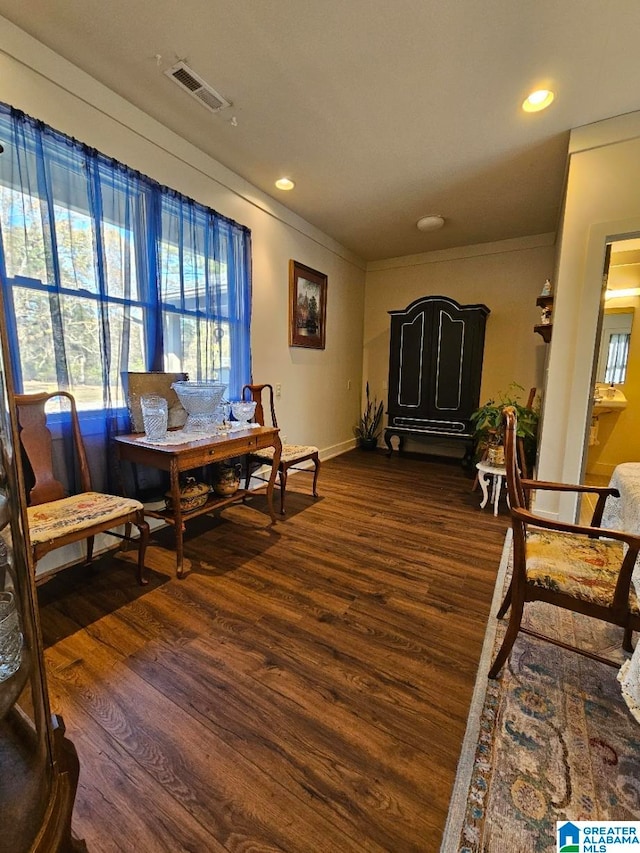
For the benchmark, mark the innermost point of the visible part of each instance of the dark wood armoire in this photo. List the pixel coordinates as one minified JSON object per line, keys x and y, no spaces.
{"x":435,"y":369}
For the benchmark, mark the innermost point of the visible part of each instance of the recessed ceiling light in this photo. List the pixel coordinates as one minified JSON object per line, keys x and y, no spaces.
{"x":285,"y":184}
{"x":430,"y":223}
{"x":538,"y":100}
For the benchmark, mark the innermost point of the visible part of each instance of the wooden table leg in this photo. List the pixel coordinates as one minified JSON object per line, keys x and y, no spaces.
{"x":277,"y":451}
{"x":178,"y":525}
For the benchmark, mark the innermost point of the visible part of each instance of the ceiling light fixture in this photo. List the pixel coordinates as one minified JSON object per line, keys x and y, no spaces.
{"x":432,"y":222}
{"x":285,"y":184}
{"x":538,"y":100}
{"x":622,"y":293}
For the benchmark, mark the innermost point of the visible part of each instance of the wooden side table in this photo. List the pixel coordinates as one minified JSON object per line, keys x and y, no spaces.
{"x":178,"y":458}
{"x":495,"y":474}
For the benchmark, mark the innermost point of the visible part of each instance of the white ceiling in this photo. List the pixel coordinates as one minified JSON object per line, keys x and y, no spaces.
{"x":380,"y":111}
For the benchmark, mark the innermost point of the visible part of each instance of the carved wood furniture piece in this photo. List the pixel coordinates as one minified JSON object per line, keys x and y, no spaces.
{"x":179,"y":458}
{"x":292,"y":455}
{"x":580,"y":568}
{"x":435,"y":368}
{"x":38,"y":764}
{"x":55,"y":517}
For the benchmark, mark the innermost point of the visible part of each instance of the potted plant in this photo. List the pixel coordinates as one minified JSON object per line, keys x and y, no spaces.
{"x":488,"y":426}
{"x":370,"y":423}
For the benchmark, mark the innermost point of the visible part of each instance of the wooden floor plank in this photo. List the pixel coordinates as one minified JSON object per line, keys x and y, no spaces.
{"x":335,"y":763}
{"x":132,"y":806}
{"x":236,"y":799}
{"x":305,"y":688}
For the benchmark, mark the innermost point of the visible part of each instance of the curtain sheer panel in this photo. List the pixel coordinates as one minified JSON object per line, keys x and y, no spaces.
{"x":106,"y":271}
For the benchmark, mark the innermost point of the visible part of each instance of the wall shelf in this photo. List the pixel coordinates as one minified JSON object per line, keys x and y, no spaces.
{"x":544,"y":329}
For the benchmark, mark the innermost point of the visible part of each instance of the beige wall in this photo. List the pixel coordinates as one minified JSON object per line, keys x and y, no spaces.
{"x":602,"y":204}
{"x":506,"y":276}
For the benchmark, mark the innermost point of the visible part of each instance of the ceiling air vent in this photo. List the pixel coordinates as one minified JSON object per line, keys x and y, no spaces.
{"x":196,"y":87}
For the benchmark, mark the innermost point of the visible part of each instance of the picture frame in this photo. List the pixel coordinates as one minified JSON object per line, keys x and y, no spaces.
{"x":307,"y":306}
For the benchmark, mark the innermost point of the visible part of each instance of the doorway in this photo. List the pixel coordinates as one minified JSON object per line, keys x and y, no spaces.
{"x":614,"y":414}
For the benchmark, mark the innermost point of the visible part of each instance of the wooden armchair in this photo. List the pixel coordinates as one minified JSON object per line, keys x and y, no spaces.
{"x":292,"y":454}
{"x":55,"y":518}
{"x":580,"y":568}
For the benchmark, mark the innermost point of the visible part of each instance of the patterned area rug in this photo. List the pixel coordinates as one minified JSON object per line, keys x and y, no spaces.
{"x":551,"y":739}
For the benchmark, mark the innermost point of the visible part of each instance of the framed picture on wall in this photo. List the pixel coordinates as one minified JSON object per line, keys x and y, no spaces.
{"x":307,"y":306}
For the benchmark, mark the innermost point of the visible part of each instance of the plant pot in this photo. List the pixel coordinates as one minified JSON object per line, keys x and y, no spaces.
{"x":495,"y":455}
{"x":368,"y":443}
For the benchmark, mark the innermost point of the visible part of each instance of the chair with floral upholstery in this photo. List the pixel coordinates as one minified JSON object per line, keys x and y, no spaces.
{"x":292,"y":454}
{"x":55,"y":517}
{"x":585,"y":569}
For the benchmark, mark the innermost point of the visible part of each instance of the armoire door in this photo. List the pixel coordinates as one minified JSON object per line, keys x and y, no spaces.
{"x":435,"y":365}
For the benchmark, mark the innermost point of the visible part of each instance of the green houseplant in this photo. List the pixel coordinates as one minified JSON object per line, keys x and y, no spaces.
{"x":369,"y":426}
{"x":488,"y":425}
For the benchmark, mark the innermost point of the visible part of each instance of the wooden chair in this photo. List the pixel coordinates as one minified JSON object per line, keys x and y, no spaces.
{"x":292,"y":454}
{"x":56,"y":519}
{"x":580,"y":568}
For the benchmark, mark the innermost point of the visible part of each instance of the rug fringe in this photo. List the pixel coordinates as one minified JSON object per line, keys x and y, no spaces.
{"x":459,"y":795}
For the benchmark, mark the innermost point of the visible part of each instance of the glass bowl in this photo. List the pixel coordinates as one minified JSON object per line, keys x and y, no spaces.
{"x":243,"y":411}
{"x":201,"y":400}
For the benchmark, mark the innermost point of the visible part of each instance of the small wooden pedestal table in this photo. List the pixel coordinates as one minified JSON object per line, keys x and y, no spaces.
{"x":497,"y":472}
{"x":180,"y":457}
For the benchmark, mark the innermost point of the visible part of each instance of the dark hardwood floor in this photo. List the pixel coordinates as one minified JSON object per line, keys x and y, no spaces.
{"x":305,"y":688}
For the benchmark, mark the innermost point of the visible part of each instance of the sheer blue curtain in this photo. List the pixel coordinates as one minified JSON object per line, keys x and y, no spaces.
{"x":105,"y":271}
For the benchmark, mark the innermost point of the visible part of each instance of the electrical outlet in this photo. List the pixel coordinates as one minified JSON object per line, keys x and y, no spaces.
{"x":278,"y":389}
{"x":348,"y":385}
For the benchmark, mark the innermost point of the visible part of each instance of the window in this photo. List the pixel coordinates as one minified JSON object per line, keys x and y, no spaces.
{"x":617,"y":357}
{"x":106,"y":271}
{"x":614,"y":346}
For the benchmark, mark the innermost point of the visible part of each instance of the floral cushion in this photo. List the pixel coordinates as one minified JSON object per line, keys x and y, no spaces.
{"x":290,"y":452}
{"x":585,"y":568}
{"x":55,"y":519}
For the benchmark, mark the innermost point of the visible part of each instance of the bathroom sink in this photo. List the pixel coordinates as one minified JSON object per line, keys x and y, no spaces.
{"x":606,"y":399}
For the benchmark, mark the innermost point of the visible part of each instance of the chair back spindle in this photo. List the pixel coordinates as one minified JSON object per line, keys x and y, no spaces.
{"x":37,"y":443}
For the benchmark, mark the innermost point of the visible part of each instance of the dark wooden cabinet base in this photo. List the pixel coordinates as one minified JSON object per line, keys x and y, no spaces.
{"x":427,"y":437}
